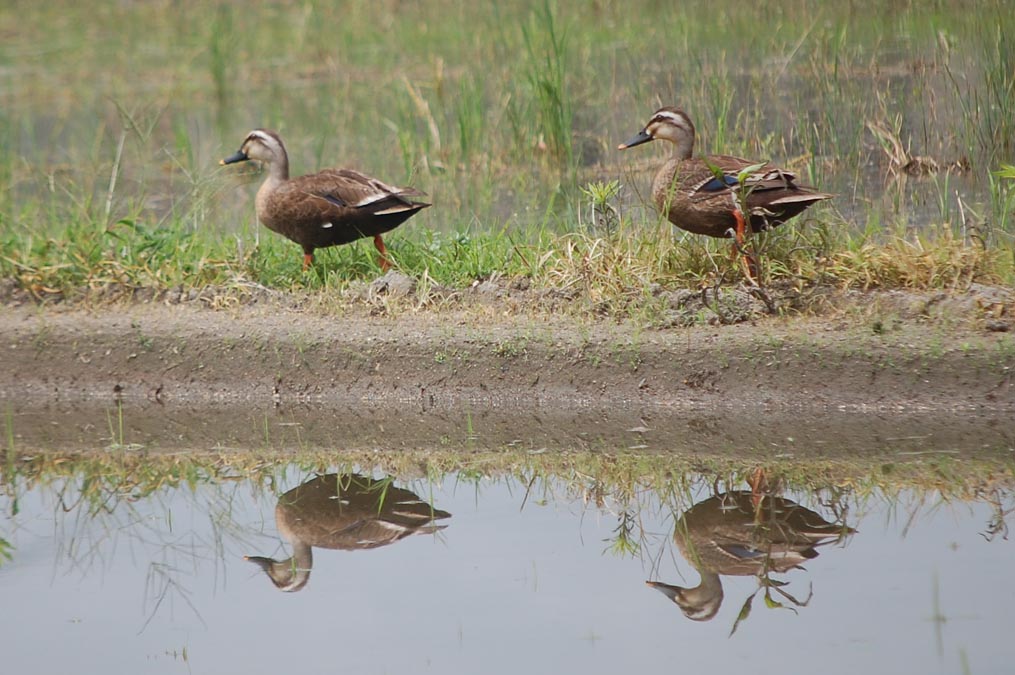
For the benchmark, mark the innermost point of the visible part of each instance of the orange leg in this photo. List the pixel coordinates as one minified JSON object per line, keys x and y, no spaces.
{"x":759,"y":486}
{"x":750,"y":264}
{"x":308,"y":260}
{"x":383,"y":261}
{"x":741,"y":226}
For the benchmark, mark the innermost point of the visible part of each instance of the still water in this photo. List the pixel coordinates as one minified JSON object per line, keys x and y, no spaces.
{"x":469,"y":574}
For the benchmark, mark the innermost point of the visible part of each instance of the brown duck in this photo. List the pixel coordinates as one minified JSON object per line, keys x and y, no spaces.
{"x":347,"y":512}
{"x":328,"y":208}
{"x":700,"y":194}
{"x":733,"y":534}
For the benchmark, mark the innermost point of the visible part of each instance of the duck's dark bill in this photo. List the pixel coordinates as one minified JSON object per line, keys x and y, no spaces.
{"x":642,"y":137}
{"x":238,"y":156}
{"x":669,"y":591}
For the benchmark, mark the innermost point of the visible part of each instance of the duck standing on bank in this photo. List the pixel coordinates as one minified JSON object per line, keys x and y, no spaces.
{"x":328,"y":208}
{"x":702,"y":195}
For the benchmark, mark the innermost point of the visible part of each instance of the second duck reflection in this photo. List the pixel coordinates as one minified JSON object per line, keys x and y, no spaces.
{"x":742,"y":533}
{"x":345,"y":512}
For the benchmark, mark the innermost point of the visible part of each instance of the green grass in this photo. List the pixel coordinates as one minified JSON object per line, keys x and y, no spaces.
{"x":615,"y":271}
{"x":113,"y":119}
{"x":105,"y":477}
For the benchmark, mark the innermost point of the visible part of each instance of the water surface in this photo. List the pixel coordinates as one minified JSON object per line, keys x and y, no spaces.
{"x":513,"y":576}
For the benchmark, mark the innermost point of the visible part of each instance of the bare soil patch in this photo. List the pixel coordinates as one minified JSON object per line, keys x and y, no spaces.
{"x":873,"y":351}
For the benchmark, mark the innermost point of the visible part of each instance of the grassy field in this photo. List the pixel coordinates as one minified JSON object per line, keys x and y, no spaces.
{"x":113,"y":117}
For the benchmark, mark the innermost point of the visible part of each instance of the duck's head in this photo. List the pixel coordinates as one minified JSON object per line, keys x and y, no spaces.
{"x":670,"y":124}
{"x":260,"y":144}
{"x":287,"y":575}
{"x":698,"y":604}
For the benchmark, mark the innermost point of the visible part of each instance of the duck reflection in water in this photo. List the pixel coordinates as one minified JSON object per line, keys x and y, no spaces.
{"x":739,"y":534}
{"x":346,"y":512}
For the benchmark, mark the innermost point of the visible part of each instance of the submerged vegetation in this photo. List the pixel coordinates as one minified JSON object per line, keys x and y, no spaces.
{"x":508,"y":117}
{"x":623,"y":482}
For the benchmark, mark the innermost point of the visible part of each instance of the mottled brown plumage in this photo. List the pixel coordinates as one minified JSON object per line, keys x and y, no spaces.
{"x":328,"y":208}
{"x":699,"y":194}
{"x":737,"y":534}
{"x":347,"y":512}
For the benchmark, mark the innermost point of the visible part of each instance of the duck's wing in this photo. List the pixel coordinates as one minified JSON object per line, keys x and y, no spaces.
{"x":350,"y":189}
{"x":717,"y":176}
{"x":713,"y":177}
{"x":373,"y":531}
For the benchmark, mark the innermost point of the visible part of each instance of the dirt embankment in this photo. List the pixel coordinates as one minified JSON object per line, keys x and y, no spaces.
{"x":271,"y":352}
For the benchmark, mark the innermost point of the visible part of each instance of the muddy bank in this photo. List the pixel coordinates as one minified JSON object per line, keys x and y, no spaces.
{"x":275,"y":355}
{"x":646,"y":429}
{"x":866,"y":377}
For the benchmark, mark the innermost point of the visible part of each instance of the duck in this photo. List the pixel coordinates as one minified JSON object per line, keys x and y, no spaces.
{"x":327,"y":208}
{"x":346,"y":512}
{"x":700,"y":195}
{"x":733,"y":534}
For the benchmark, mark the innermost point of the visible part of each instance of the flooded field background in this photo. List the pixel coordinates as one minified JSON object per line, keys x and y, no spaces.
{"x":501,"y":114}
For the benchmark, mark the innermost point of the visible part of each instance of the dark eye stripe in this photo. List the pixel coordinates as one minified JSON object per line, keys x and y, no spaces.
{"x":670,"y":118}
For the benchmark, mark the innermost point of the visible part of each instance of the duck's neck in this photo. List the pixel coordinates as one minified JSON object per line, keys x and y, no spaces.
{"x":683,"y":147}
{"x":278,"y":173}
{"x":278,"y":170}
{"x":708,"y":588}
{"x":702,"y":602}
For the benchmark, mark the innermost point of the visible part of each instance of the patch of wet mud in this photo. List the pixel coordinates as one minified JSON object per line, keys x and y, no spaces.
{"x":730,"y":434}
